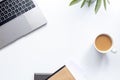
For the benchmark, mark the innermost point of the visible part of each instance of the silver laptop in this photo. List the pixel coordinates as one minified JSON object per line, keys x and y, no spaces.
{"x":18,"y":18}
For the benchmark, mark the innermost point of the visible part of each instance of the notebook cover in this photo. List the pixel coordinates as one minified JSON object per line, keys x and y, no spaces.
{"x":40,"y":76}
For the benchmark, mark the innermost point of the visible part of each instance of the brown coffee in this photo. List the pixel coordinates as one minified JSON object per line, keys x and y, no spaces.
{"x":103,"y":42}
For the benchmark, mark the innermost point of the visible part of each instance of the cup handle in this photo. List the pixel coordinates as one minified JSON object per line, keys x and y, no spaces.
{"x":114,"y":51}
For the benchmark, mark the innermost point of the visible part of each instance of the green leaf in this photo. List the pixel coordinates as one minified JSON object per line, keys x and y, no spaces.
{"x":89,"y":3}
{"x":108,"y":1}
{"x":74,"y":2}
{"x":83,"y":3}
{"x":104,"y":1}
{"x":98,"y":5}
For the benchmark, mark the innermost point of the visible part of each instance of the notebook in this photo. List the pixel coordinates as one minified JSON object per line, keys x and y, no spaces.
{"x":62,"y":74}
{"x":41,"y":76}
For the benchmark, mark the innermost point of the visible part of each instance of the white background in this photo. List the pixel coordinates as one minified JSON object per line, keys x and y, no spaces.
{"x":69,"y":34}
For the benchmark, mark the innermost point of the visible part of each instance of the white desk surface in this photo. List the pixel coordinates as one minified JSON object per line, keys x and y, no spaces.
{"x":69,"y":34}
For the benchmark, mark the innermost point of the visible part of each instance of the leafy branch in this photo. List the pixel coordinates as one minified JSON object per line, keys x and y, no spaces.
{"x":97,"y":6}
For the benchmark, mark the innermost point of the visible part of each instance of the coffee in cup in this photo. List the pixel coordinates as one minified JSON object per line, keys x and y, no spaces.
{"x":103,"y":43}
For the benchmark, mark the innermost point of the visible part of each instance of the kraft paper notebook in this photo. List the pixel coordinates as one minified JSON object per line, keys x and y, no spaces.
{"x":62,"y":74}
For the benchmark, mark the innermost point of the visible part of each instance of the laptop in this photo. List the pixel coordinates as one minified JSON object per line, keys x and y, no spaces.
{"x":17,"y":19}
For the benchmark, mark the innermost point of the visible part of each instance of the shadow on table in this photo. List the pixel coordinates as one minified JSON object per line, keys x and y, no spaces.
{"x":95,"y":61}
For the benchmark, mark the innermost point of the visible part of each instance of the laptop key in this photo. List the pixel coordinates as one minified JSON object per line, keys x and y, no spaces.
{"x":9,"y":14}
{"x":5,"y":12}
{"x":2,"y":18}
{"x":6,"y":7}
{"x":13,"y":3}
{"x":3,"y":9}
{"x":6,"y":3}
{"x":13,"y":8}
{"x":2,"y":14}
{"x":26,"y":9}
{"x":9,"y":10}
{"x":6,"y":16}
{"x":16,"y":6}
{"x":13,"y":12}
{"x":33,"y":6}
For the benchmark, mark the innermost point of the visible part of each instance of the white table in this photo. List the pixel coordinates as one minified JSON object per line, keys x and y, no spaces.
{"x":69,"y":34}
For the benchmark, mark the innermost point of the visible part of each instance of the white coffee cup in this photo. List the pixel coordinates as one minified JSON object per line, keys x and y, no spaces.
{"x":103,"y":43}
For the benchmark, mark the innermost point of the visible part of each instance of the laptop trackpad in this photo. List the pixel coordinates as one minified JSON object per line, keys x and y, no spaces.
{"x":13,"y":30}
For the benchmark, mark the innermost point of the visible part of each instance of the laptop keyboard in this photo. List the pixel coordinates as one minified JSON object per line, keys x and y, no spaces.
{"x":10,"y":9}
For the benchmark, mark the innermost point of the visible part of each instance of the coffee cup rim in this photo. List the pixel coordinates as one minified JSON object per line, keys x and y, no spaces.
{"x":106,"y":50}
